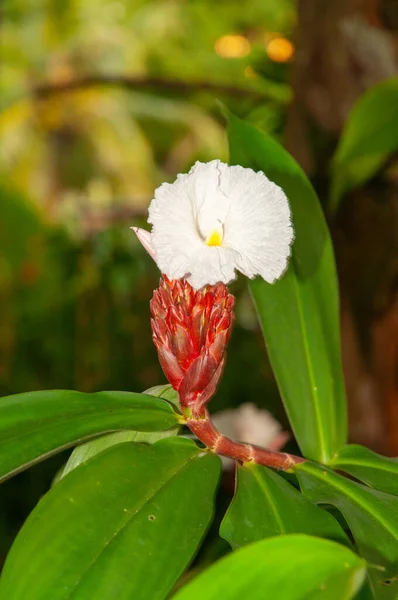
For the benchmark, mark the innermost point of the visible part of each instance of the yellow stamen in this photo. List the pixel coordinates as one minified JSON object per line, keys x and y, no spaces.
{"x":214,"y":239}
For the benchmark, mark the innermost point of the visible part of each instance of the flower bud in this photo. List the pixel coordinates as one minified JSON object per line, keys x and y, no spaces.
{"x":190,"y":331}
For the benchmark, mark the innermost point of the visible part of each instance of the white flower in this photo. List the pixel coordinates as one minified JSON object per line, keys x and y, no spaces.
{"x":251,"y":425}
{"x":218,"y":219}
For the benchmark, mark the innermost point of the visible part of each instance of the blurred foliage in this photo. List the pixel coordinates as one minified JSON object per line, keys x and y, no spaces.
{"x":78,"y":167}
{"x":102,"y":146}
{"x":369,"y":137}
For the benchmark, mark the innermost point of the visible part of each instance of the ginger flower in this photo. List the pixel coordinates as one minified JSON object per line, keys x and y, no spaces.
{"x":190,"y":331}
{"x":216,"y":220}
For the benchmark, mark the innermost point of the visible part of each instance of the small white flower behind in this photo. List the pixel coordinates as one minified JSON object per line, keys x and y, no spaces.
{"x":252,"y":425}
{"x":216,"y":220}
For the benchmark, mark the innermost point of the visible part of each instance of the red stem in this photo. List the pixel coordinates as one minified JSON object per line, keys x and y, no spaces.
{"x":206,"y":432}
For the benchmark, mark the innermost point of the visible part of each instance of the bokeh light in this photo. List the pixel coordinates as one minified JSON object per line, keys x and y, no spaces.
{"x":232,"y":46}
{"x":279,"y":49}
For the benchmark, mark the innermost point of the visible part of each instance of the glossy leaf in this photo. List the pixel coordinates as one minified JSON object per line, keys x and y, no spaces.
{"x":370,"y":134}
{"x":299,"y":313}
{"x":36,"y":425}
{"x":291,"y":567}
{"x":265,"y":505}
{"x":164,"y":391}
{"x":123,"y":525}
{"x":373,"y":469}
{"x":371,"y":515}
{"x":89,"y":449}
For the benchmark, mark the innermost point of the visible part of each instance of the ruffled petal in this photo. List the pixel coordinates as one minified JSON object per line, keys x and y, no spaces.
{"x":210,"y":265}
{"x":174,"y":232}
{"x":249,"y":213}
{"x":258,"y":225}
{"x":211,"y":204}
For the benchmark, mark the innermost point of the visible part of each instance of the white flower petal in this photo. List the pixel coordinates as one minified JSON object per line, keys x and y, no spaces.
{"x":252,"y":425}
{"x":212,"y":264}
{"x":258,"y":224}
{"x":174,"y":232}
{"x":257,"y":426}
{"x":249,"y":424}
{"x":211,"y":204}
{"x":217,"y":219}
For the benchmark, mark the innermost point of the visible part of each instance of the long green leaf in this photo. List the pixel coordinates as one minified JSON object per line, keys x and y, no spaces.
{"x":37,"y":424}
{"x":291,"y":567}
{"x":371,"y":515}
{"x":370,"y":134}
{"x":89,"y":449}
{"x":265,"y":505}
{"x":373,"y":469}
{"x":123,"y":525}
{"x":299,"y":313}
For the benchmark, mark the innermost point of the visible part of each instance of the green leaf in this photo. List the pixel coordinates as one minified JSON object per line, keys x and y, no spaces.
{"x":371,"y":515}
{"x":165,"y":391}
{"x":36,"y":425}
{"x":299,"y":313}
{"x":291,"y":567}
{"x":89,"y":449}
{"x":372,"y":125}
{"x":369,"y":136}
{"x":265,"y":505}
{"x":373,"y":469}
{"x":123,"y":525}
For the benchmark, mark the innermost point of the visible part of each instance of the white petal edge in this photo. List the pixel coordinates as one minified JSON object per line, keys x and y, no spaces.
{"x":257,"y":228}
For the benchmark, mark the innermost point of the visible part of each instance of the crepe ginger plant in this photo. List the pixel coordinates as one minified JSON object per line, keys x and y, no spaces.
{"x":131,"y":515}
{"x":206,"y":225}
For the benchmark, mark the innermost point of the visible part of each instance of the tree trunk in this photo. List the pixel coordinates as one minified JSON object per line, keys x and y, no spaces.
{"x":344,"y":47}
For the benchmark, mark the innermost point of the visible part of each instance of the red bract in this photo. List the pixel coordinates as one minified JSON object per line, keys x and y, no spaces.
{"x":190,"y":331}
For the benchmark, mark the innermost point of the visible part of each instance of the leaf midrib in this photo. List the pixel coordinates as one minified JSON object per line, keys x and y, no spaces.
{"x":21,"y":466}
{"x":375,"y":466}
{"x":72,"y":416}
{"x":307,"y":356}
{"x":265,"y":489}
{"x":126,"y":523}
{"x":354,"y":498}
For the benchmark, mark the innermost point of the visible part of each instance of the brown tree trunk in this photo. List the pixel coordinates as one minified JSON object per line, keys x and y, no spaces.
{"x":344,"y":47}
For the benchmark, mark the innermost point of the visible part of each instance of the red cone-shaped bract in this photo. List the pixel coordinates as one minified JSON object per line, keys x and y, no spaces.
{"x":190,"y":331}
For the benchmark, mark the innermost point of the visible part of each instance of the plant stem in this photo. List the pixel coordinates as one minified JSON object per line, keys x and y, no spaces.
{"x":201,"y":425}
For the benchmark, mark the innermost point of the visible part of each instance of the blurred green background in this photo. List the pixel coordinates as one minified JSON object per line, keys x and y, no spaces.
{"x":100,"y":102}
